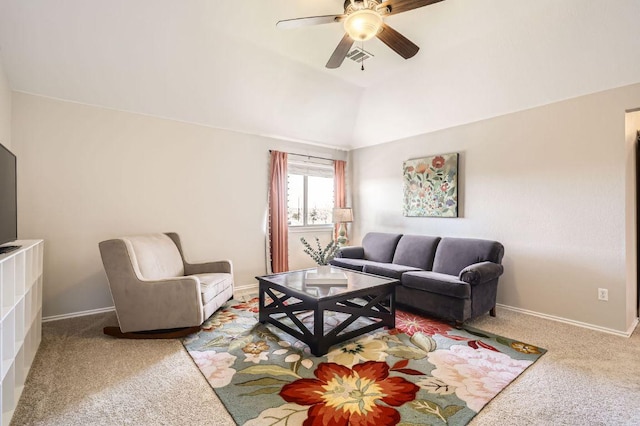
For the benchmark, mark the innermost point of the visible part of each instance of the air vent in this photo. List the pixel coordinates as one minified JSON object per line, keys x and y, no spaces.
{"x":358,"y":55}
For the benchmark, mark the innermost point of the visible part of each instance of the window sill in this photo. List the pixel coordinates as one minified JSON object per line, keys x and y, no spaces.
{"x":312,"y":228}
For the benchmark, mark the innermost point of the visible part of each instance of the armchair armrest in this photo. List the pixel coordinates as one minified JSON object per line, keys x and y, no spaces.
{"x":482,"y":272}
{"x":351,"y":252}
{"x":159,"y":304}
{"x":221,"y":266}
{"x":185,"y":282}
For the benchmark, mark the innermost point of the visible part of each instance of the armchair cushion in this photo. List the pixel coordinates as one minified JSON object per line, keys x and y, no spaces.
{"x":155,"y":255}
{"x":481,"y":272}
{"x":213,"y":284}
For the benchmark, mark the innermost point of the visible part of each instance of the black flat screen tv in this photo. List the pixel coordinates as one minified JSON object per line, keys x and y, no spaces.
{"x":8,"y":197}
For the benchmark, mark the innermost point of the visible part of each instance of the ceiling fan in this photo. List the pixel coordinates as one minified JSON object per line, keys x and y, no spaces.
{"x":363,"y":20}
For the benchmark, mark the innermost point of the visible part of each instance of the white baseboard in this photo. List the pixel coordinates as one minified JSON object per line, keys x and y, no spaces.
{"x":628,"y":333}
{"x":635,"y":323}
{"x":242,"y":290}
{"x":237,"y":291}
{"x":78,"y":314}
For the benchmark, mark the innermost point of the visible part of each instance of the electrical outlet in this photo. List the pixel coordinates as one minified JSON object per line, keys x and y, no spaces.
{"x":603,"y":294}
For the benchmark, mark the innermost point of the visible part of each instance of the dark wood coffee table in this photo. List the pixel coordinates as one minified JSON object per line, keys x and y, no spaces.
{"x":364,"y":296}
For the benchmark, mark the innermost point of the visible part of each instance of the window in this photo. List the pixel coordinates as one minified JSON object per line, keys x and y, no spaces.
{"x":310,"y":191}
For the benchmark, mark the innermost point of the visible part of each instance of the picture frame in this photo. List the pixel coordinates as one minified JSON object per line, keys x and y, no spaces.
{"x":430,"y":186}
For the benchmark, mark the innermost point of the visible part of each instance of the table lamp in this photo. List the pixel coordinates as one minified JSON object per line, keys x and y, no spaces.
{"x":342,"y":215}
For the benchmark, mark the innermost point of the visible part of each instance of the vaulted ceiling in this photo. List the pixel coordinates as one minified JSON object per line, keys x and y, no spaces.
{"x":223,"y":63}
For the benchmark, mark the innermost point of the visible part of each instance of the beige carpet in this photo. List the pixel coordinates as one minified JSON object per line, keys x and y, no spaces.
{"x":80,"y":377}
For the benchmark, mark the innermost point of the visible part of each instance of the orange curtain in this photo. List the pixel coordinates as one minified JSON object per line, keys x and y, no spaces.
{"x":278,"y":222}
{"x":339,"y":190}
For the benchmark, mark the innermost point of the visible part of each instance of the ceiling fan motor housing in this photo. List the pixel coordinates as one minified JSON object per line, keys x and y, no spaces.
{"x":351,"y":6}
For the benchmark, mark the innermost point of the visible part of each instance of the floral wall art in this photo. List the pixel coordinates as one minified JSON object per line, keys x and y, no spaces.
{"x":431,"y":186}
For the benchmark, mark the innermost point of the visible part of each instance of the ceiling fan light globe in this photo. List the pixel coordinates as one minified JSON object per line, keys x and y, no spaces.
{"x":363,"y":25}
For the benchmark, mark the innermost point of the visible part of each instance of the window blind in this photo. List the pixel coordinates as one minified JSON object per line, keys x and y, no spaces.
{"x":309,"y":166}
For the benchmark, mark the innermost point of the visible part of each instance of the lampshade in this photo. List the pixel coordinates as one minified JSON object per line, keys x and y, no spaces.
{"x":363,"y":25}
{"x":342,"y":215}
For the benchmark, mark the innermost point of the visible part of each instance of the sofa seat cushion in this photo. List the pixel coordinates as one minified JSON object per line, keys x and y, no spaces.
{"x":434,"y":282}
{"x":390,"y":270}
{"x":212,"y":285}
{"x":355,"y":264}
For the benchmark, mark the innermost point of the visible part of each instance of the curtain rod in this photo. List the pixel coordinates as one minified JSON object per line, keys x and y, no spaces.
{"x":308,"y":156}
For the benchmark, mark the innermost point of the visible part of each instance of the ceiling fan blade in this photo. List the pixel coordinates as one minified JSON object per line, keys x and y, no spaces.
{"x":399,"y":6}
{"x":340,"y":53}
{"x":396,"y":41}
{"x":311,"y":20}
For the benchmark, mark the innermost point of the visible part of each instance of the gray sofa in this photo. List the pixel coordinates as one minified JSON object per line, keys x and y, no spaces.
{"x":451,"y":278}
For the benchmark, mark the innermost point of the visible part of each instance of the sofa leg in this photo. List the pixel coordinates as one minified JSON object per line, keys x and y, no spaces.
{"x":492,"y":312}
{"x":458,"y":324}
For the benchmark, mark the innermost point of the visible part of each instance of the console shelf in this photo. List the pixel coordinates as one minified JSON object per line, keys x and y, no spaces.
{"x":20,"y":321}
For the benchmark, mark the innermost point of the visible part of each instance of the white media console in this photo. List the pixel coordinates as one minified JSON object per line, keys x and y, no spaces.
{"x":21,"y":321}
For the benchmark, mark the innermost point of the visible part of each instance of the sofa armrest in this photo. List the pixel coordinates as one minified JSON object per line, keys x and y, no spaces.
{"x":351,"y":252}
{"x":221,"y":266}
{"x":481,"y":272}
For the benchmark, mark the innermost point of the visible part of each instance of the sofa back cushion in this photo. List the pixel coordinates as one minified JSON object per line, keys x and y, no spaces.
{"x":380,"y":246}
{"x":417,"y":251}
{"x":154,"y":256}
{"x":454,"y":254}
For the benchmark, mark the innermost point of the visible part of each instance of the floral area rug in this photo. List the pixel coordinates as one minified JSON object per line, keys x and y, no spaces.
{"x":423,"y":372}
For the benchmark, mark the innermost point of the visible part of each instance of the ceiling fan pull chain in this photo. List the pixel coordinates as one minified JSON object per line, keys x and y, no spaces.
{"x":363,"y":59}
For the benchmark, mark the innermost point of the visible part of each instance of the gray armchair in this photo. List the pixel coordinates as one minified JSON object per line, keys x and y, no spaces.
{"x":155,"y":290}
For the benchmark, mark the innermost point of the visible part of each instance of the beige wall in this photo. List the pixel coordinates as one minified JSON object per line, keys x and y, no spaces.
{"x":549,"y":183}
{"x":5,"y":109}
{"x":88,"y":174}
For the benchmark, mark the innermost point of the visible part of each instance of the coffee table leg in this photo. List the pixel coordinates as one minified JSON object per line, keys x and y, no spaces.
{"x":262,"y":317}
{"x":316,"y":345}
{"x":392,"y":308}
